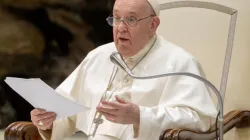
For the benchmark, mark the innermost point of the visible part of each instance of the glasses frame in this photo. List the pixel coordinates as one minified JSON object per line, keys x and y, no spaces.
{"x":123,"y":20}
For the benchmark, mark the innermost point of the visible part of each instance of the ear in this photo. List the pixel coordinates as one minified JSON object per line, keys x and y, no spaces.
{"x":155,"y":24}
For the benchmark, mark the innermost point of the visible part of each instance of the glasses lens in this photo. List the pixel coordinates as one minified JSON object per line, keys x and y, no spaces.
{"x":110,"y":21}
{"x":131,"y":21}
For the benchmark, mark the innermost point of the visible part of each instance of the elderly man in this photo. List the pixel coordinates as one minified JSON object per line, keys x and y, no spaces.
{"x":122,"y":108}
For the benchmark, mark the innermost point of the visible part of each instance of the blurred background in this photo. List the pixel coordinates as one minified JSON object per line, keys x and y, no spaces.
{"x":46,"y":39}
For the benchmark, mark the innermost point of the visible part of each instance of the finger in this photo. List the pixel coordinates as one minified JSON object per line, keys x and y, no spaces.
{"x":120,"y":100}
{"x":106,"y":106}
{"x":111,"y":119}
{"x":37,"y":111}
{"x":108,"y":115}
{"x":107,"y":110}
{"x":44,"y":116}
{"x":48,"y":123}
{"x":113,"y":104}
{"x":47,"y":120}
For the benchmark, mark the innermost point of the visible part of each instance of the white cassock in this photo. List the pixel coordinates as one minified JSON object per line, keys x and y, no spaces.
{"x":169,"y":102}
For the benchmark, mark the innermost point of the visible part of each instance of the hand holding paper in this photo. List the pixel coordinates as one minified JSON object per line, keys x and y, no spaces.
{"x":40,"y":95}
{"x":42,"y":120}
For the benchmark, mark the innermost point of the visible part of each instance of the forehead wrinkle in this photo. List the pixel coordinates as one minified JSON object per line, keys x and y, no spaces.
{"x":138,"y":7}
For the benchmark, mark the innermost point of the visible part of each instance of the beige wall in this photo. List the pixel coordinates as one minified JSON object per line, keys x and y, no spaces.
{"x":204,"y":34}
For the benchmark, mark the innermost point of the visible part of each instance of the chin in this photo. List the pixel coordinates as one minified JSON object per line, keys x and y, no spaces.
{"x":123,"y":51}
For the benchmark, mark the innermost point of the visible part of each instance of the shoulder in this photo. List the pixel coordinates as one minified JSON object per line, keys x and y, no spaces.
{"x":101,"y":52}
{"x":174,"y":54}
{"x":106,"y":48}
{"x":97,"y":55}
{"x":172,"y":49}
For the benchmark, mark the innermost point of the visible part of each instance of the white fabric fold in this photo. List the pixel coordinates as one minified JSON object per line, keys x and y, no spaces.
{"x":170,"y":102}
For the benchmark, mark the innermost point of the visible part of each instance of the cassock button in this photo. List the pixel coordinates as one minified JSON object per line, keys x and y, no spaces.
{"x":129,"y":61}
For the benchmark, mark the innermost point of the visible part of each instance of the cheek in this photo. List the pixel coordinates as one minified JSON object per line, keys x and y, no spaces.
{"x":134,"y":34}
{"x":114,"y":34}
{"x":138,"y":36}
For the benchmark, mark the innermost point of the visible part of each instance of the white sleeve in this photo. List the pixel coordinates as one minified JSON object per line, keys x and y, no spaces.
{"x":61,"y":128}
{"x":153,"y":121}
{"x":66,"y":126}
{"x":185,"y":103}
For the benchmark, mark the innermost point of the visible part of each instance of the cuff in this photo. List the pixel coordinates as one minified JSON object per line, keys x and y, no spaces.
{"x":145,"y":123}
{"x":62,"y":128}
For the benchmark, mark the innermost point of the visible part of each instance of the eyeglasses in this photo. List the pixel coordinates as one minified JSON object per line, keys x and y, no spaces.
{"x":129,"y":21}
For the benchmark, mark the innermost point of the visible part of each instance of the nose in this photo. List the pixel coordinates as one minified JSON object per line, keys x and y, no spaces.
{"x":122,"y":27}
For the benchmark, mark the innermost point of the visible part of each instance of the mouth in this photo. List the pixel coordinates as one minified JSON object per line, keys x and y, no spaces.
{"x":123,"y":39}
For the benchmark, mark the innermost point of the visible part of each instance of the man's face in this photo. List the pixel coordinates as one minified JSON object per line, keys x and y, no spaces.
{"x":130,"y":40}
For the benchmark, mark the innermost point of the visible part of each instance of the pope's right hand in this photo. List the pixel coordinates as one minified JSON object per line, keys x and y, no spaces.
{"x":41,"y":119}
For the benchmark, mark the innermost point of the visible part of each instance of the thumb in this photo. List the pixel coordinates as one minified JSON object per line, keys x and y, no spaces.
{"x":120,"y":100}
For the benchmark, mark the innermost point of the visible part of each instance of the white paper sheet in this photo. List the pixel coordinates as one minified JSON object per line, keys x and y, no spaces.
{"x":40,"y":95}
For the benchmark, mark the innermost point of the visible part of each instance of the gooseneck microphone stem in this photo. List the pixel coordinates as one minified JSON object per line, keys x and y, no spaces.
{"x":117,"y":59}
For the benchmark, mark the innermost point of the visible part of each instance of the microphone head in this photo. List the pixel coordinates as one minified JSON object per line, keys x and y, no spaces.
{"x":116,"y":59}
{"x":113,"y":58}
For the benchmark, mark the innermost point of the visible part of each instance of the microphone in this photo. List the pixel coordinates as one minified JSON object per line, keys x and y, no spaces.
{"x":116,"y":58}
